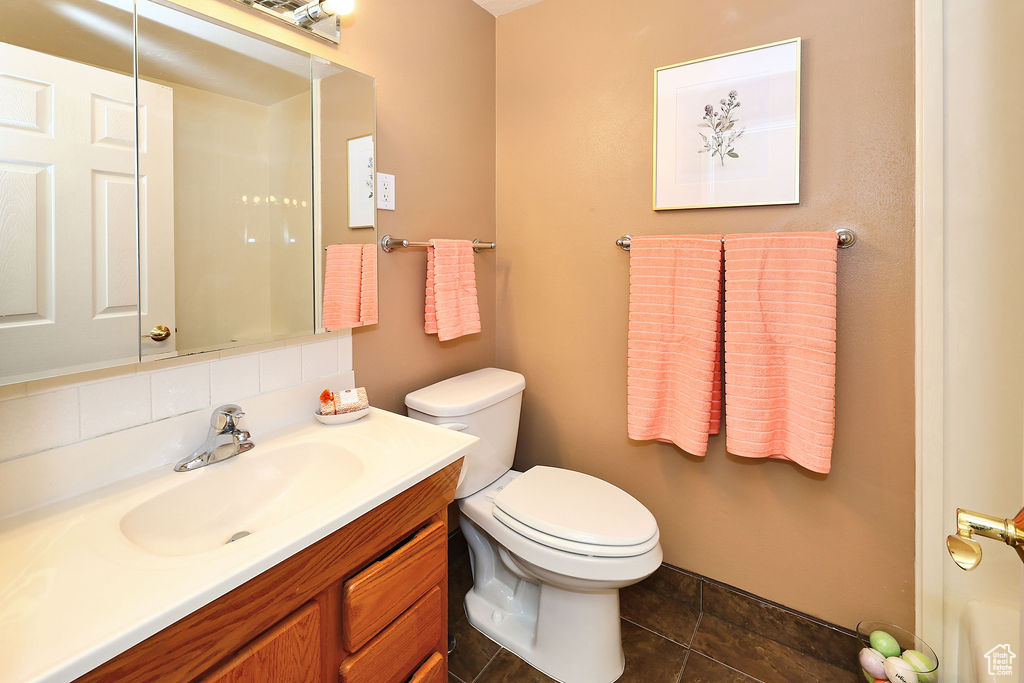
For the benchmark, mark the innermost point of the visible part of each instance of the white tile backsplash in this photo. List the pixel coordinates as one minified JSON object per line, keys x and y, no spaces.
{"x":110,"y":406}
{"x":180,"y":390}
{"x":234,"y":378}
{"x":345,"y":351}
{"x":34,"y":423}
{"x":319,"y":359}
{"x":280,"y":368}
{"x":60,"y":473}
{"x":114,"y":404}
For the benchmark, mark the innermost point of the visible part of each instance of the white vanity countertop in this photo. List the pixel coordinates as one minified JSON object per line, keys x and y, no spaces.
{"x":75,"y":592}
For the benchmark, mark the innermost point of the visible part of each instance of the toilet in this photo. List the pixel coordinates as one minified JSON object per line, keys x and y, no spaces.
{"x":550,"y":548}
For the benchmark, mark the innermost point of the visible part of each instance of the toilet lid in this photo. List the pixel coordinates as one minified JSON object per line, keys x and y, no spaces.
{"x":575,"y":507}
{"x":591,"y":549}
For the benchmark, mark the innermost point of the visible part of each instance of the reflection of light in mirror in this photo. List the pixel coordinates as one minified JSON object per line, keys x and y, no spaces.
{"x":251,"y":240}
{"x":287,"y":201}
{"x":245,"y":199}
{"x":272,"y":199}
{"x":256,"y":199}
{"x":291,"y":240}
{"x":303,"y":204}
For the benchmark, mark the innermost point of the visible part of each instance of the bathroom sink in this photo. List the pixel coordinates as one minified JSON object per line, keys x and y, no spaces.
{"x":230,"y":500}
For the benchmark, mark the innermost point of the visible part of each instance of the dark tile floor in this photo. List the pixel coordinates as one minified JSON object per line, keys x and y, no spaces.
{"x":677,"y":627}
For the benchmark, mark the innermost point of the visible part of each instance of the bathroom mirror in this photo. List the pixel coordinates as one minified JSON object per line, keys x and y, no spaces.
{"x":243,"y":161}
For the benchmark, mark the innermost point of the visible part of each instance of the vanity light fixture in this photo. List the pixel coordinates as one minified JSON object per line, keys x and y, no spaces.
{"x":314,"y":11}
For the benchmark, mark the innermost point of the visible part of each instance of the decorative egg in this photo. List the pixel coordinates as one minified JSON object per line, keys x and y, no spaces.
{"x":921,"y":663}
{"x":885,"y":643}
{"x":873,"y":663}
{"x":898,"y":670}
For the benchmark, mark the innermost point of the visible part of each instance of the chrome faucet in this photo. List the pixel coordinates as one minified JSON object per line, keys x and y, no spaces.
{"x":225,"y":440}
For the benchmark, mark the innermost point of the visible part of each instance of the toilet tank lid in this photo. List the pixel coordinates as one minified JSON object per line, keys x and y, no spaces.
{"x":466,"y":393}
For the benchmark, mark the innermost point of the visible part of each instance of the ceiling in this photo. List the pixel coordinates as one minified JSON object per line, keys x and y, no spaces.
{"x":499,"y":7}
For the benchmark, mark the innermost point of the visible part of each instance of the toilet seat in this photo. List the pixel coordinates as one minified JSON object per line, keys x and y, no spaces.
{"x":575,"y":512}
{"x":591,"y":549}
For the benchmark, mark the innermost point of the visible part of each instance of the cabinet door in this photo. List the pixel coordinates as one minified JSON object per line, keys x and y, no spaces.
{"x":288,"y":653}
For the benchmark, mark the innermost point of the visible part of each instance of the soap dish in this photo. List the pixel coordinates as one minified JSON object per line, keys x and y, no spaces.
{"x":342,"y":418}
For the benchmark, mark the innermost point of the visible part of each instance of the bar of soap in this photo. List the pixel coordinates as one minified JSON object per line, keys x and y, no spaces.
{"x":350,"y":400}
{"x":341,"y":402}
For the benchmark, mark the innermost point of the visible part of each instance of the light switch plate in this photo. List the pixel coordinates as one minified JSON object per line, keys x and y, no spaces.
{"x":386,"y":191}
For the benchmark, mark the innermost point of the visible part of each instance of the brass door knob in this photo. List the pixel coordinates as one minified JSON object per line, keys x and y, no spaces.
{"x":159,"y":333}
{"x":966,"y":552}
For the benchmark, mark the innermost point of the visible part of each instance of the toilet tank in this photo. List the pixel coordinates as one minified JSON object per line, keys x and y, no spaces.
{"x":484,"y":403}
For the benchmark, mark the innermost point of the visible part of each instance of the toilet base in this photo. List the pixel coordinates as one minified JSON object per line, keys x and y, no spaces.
{"x":570,"y":633}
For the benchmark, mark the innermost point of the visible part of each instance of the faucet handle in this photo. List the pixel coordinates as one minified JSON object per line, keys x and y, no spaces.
{"x":225,"y":418}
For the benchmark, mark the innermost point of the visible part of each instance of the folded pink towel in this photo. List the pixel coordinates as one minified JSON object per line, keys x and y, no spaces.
{"x":350,"y":286}
{"x":451,"y":304}
{"x":780,"y":346}
{"x":673,"y":349}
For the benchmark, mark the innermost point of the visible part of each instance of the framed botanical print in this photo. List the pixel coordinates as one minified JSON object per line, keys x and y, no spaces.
{"x":727,"y":129}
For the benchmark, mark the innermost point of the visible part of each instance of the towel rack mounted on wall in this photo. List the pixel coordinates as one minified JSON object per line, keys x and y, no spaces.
{"x":389,"y":244}
{"x":846,"y":237}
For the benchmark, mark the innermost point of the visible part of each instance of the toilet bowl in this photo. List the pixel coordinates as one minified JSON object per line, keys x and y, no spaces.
{"x":550,"y":548}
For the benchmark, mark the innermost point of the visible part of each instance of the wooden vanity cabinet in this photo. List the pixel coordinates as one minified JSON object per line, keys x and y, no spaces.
{"x":366,"y":604}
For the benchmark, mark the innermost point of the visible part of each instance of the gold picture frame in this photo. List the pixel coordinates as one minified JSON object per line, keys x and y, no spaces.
{"x":710,"y":152}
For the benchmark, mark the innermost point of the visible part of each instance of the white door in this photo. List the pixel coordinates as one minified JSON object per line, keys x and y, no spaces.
{"x":69,"y":269}
{"x":971,"y":326}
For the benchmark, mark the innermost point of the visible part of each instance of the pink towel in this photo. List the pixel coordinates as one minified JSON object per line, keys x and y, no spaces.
{"x":780,"y":346}
{"x":673,"y":359}
{"x":350,"y":286}
{"x":368,"y":286}
{"x":451,"y":307}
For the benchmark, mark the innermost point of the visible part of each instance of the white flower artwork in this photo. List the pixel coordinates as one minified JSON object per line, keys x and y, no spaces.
{"x":727,"y":129}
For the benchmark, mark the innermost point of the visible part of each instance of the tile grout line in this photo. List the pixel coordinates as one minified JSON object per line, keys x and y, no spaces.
{"x":481,"y":672}
{"x":696,"y":627}
{"x":451,"y":675}
{"x":660,"y":635}
{"x":679,"y":676}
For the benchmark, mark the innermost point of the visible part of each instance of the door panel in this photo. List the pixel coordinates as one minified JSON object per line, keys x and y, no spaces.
{"x":69,"y":275}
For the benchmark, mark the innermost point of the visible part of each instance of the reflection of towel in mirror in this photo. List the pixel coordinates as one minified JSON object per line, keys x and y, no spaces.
{"x":451,"y":302}
{"x":350,"y":286}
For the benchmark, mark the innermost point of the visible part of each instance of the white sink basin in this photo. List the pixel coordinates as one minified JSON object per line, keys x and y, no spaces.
{"x":87,"y":578}
{"x":237,"y":497}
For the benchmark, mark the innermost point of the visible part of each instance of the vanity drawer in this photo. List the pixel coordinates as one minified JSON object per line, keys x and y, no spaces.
{"x":290,"y":651}
{"x":432,"y":671}
{"x":372,"y":599}
{"x":395,"y":653}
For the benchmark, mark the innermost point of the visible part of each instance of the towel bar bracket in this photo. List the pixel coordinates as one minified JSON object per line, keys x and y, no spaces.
{"x":389,"y":244}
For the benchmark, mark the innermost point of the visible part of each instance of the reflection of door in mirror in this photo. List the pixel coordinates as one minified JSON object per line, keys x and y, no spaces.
{"x":68,"y":269}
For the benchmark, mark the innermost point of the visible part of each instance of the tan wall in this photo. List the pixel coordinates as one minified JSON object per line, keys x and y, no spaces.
{"x":347,"y":111}
{"x":574,"y":141}
{"x":434,"y":65}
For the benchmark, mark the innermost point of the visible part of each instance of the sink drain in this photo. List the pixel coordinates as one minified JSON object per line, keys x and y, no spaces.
{"x":235,"y":537}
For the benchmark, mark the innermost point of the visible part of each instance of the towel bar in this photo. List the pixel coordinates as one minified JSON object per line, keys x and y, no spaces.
{"x":389,"y":244}
{"x":846,"y":237}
